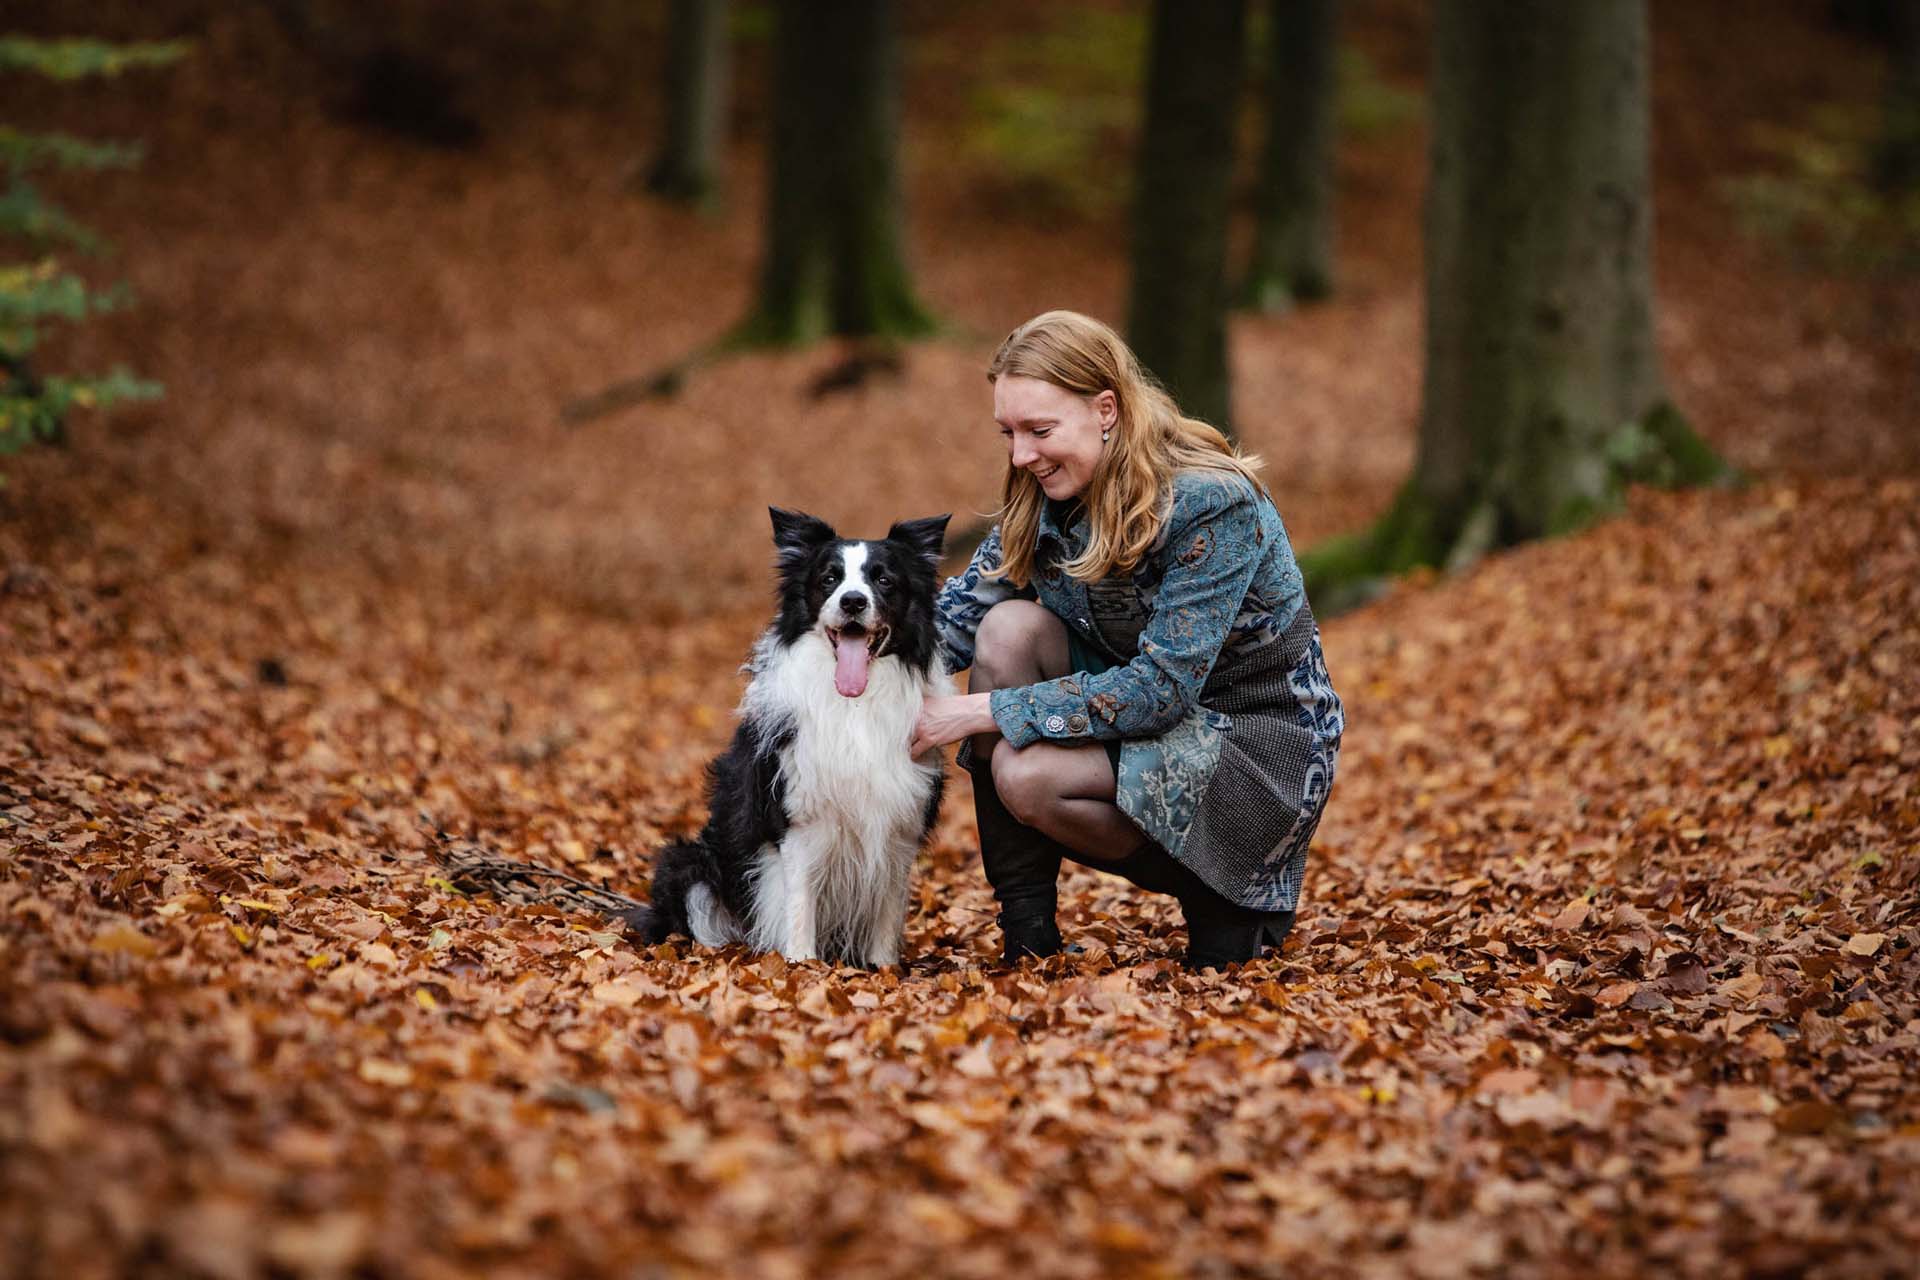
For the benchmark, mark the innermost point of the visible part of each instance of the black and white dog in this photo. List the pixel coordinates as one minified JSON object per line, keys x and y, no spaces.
{"x":817,"y":812}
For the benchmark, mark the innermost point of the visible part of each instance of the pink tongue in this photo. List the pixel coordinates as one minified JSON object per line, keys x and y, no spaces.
{"x":850,"y":666}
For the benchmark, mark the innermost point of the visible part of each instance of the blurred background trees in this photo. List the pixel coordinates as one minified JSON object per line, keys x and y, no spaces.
{"x":1292,"y":258}
{"x":834,"y":261}
{"x":1176,"y":314}
{"x":1178,"y":161}
{"x":694,"y":83}
{"x":38,"y":284}
{"x":1543,"y":391}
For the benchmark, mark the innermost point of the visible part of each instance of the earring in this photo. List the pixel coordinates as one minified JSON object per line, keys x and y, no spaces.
{"x":1105,"y":434}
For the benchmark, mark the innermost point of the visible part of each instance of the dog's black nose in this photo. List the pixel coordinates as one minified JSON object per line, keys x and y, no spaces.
{"x":853,"y":604}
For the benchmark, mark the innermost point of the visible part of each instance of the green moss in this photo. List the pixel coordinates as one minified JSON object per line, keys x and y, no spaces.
{"x":1053,"y":115}
{"x":1576,"y":513}
{"x":1819,"y":197}
{"x":1692,"y":460}
{"x":1367,"y":103}
{"x":1418,"y":532}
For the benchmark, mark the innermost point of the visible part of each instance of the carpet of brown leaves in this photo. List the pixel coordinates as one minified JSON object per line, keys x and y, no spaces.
{"x":1608,"y":962}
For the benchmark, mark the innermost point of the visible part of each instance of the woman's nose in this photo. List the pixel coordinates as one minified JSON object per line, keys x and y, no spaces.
{"x":1023,"y":453}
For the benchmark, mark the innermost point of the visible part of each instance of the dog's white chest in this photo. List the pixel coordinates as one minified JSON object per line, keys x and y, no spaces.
{"x":846,"y":762}
{"x":855,"y":801}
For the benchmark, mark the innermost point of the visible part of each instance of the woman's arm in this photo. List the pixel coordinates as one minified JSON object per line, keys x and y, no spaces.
{"x":1212,"y":550}
{"x":964,"y":600}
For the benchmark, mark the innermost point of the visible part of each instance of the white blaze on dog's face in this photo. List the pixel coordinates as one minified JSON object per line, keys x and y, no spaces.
{"x":851,"y":617}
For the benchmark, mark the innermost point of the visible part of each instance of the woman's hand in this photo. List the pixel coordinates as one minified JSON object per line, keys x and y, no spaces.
{"x":945,"y":720}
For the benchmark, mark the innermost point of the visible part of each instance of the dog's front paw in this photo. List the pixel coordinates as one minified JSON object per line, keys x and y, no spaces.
{"x":880,"y":958}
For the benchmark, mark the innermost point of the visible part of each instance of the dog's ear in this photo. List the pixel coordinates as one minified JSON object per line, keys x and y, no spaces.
{"x":924,"y":536}
{"x":798,"y":535}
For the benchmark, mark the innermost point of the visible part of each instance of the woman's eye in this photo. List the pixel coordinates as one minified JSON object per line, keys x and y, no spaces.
{"x":1041,"y":433}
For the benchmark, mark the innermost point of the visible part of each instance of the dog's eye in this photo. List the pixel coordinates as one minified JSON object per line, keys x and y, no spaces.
{"x":830,"y":577}
{"x":883,"y":580}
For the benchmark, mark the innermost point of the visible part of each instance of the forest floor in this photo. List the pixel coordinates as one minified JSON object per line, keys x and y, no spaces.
{"x":1607,"y":962}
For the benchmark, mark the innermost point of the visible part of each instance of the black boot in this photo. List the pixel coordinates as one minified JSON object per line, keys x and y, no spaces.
{"x":1023,"y":866}
{"x":1219,"y":933}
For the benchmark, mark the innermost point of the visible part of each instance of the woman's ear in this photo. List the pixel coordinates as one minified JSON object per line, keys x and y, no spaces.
{"x":1106,"y":406}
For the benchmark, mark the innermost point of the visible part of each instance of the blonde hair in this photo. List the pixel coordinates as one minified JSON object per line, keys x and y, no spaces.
{"x":1129,"y":495}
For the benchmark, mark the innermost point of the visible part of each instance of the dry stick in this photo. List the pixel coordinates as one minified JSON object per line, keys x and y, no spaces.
{"x":659,"y":385}
{"x":475,"y":870}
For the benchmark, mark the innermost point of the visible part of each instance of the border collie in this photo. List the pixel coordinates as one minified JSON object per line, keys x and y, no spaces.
{"x":817,"y":812}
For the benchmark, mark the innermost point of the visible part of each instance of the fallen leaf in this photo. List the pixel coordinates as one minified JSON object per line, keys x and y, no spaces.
{"x":1573,"y":915}
{"x":124,"y":939}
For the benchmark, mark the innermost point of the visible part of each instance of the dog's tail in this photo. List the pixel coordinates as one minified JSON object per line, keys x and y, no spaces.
{"x":681,"y":867}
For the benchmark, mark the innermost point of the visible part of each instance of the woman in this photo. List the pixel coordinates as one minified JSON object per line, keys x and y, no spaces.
{"x":1148,"y":692}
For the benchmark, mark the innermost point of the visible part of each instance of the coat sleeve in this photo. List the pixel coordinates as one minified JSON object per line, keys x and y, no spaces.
{"x":964,"y":600}
{"x":1212,"y":548}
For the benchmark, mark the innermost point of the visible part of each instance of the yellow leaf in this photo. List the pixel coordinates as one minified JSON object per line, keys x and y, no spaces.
{"x":1776,"y":747}
{"x":1122,"y":1237}
{"x":124,"y":939}
{"x":424,"y":998}
{"x":319,"y":960}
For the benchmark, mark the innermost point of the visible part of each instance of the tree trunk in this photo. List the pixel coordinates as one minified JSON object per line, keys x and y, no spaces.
{"x":1177,"y":314}
{"x":833,"y":263}
{"x":688,"y":167}
{"x":1543,"y":396}
{"x":1897,"y":157}
{"x":1292,"y":258}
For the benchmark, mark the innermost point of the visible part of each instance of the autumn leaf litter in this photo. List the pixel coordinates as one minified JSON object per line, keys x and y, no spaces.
{"x":1607,"y":959}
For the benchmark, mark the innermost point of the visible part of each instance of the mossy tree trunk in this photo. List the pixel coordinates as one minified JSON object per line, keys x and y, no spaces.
{"x":1543,"y":394}
{"x":833,"y":262}
{"x":696,"y":84}
{"x":1292,"y":259}
{"x":1176,"y":317}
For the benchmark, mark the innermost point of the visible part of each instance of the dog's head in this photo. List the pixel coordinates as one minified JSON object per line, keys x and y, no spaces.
{"x":867,"y":599}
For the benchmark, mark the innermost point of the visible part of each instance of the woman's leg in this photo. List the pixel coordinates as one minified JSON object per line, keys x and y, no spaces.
{"x":1068,"y":793}
{"x":1018,"y":643}
{"x":1038,"y":803}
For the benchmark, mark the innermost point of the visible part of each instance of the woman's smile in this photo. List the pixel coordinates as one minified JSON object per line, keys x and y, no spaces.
{"x":1051,"y":433}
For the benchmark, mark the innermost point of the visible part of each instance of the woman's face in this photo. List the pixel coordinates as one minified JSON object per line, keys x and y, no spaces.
{"x":1051,"y":432}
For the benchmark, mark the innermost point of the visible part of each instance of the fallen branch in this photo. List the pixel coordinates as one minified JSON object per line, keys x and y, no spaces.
{"x":473,"y":869}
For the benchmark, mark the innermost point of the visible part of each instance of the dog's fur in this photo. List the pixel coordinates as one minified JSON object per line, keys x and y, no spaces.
{"x":817,"y":812}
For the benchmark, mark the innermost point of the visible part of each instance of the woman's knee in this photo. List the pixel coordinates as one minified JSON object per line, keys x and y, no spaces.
{"x":1016,"y":644}
{"x":1028,"y":792}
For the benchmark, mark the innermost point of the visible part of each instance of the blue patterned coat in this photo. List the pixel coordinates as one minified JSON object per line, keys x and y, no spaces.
{"x":1228,"y":724}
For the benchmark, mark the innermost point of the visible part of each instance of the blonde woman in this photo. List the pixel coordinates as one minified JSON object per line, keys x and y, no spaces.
{"x":1148,"y":694}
